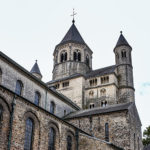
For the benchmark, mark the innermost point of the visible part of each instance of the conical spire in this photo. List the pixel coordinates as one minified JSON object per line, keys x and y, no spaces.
{"x":73,"y":35}
{"x":36,"y":71}
{"x":122,"y":41}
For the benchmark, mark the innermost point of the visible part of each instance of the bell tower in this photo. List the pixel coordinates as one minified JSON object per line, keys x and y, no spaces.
{"x":123,"y":59}
{"x":72,"y":55}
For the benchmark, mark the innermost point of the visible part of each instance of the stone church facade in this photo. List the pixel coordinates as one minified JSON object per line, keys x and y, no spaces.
{"x":79,"y":109}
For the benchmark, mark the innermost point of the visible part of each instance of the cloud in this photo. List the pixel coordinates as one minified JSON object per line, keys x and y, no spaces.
{"x":146,"y":84}
{"x":144,"y":89}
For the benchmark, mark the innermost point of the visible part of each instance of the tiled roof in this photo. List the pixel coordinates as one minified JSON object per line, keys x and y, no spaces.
{"x":35,"y":69}
{"x":101,"y":110}
{"x":73,"y":35}
{"x":101,"y":71}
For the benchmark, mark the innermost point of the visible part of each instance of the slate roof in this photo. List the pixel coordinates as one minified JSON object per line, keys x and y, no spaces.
{"x":35,"y":69}
{"x":65,"y":78}
{"x":101,"y":110}
{"x":122,"y":41}
{"x":93,"y":73}
{"x":73,"y":35}
{"x":147,"y":147}
{"x":101,"y":71}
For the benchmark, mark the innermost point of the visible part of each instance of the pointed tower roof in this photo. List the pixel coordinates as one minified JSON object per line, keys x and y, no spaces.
{"x":35,"y":69}
{"x":73,"y":35}
{"x":122,"y":41}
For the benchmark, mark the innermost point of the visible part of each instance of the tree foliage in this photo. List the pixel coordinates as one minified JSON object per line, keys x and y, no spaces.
{"x":146,"y":135}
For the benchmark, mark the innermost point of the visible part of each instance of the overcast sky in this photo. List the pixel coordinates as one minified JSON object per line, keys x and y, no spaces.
{"x":30,"y":30}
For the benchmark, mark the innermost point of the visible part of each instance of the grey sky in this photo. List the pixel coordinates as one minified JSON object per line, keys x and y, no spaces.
{"x":30,"y":29}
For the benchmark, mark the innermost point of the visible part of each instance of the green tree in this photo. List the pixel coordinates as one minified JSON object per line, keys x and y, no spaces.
{"x":146,"y":135}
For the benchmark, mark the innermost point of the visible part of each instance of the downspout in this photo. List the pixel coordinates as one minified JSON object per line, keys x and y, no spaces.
{"x":11,"y":122}
{"x":77,"y":139}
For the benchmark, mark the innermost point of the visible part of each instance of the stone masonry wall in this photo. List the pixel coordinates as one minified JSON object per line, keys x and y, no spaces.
{"x":42,"y":122}
{"x":95,"y":144}
{"x":119,"y":127}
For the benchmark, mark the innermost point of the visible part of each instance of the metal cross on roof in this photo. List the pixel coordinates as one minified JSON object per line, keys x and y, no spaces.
{"x":73,"y":21}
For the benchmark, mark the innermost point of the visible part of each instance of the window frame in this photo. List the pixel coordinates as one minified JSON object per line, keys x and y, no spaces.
{"x":37,"y":94}
{"x":51,"y":146}
{"x":20,"y":84}
{"x":27,"y":138}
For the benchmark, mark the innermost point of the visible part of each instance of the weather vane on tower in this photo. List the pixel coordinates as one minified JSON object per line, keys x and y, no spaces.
{"x":73,"y":21}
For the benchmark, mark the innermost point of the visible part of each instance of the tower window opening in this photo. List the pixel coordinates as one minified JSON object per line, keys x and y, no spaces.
{"x":93,"y":82}
{"x":65,"y":84}
{"x":92,"y":105}
{"x":57,"y":86}
{"x":123,"y":54}
{"x":87,"y":60}
{"x":77,"y":56}
{"x":63,"y":57}
{"x":105,"y":80}
{"x":104,"y":103}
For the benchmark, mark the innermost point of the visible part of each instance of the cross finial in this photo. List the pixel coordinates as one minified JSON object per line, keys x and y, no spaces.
{"x":120,"y":32}
{"x":73,"y":14}
{"x":36,"y":60}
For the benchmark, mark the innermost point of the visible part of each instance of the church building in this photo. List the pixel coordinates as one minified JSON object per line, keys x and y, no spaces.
{"x":79,"y":109}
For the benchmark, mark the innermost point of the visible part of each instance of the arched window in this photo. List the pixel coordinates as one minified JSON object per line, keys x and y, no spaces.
{"x":87,"y":60}
{"x":19,"y":87}
{"x":1,"y":113}
{"x":61,"y":57}
{"x":52,"y":136}
{"x":28,"y":134}
{"x":103,"y":92}
{"x":65,"y":56}
{"x":52,"y":107}
{"x":69,"y":142}
{"x":79,"y":56}
{"x":91,"y":93}
{"x":104,"y":103}
{"x":107,"y":132}
{"x":74,"y":56}
{"x":123,"y":54}
{"x":37,"y":98}
{"x":0,"y":76}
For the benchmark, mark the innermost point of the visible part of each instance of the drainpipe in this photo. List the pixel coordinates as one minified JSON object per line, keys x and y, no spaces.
{"x":11,"y":122}
{"x":77,"y":139}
